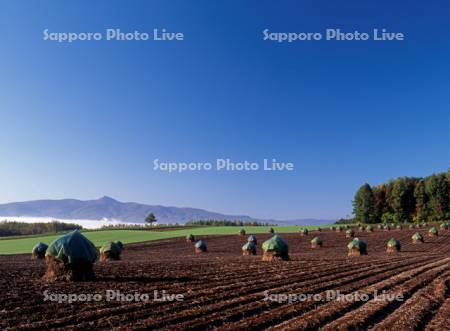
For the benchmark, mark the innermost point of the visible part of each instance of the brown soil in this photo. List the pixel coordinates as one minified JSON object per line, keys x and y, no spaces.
{"x":225,"y":291}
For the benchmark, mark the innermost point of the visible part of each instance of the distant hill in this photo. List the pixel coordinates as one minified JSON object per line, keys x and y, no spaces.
{"x":110,"y":208}
{"x":132,"y":212}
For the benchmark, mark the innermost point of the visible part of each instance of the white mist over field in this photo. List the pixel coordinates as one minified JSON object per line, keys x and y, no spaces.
{"x":87,"y":224}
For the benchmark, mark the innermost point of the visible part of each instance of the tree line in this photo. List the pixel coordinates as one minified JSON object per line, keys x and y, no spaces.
{"x":20,"y":228}
{"x":404,"y":199}
{"x":225,"y":223}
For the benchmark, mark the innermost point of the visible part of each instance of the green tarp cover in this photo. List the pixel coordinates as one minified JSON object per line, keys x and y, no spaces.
{"x":200,"y":244}
{"x":357,"y":243}
{"x":73,"y":247}
{"x":316,"y":240}
{"x":39,"y":248}
{"x":417,"y":236}
{"x":250,"y":246}
{"x":276,"y":244}
{"x":393,"y":243}
{"x":114,"y":247}
{"x":251,"y":238}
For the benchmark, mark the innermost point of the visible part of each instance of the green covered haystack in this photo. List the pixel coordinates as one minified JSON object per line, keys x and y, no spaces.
{"x":271,"y":230}
{"x":316,"y":242}
{"x":349,"y":233}
{"x":38,"y":251}
{"x":249,"y":248}
{"x":111,"y":251}
{"x":242,"y":232}
{"x":275,"y":248}
{"x":70,"y":257}
{"x":252,"y":239}
{"x":200,"y":247}
{"x":369,"y":228}
{"x":190,"y":238}
{"x":444,"y":226}
{"x":393,"y":245}
{"x":357,"y":247}
{"x":433,"y":232}
{"x":417,"y":238}
{"x":304,"y":232}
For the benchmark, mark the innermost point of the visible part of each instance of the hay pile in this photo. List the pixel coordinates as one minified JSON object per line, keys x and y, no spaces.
{"x":349,"y":233}
{"x":190,"y":238}
{"x":249,"y":248}
{"x":316,"y":242}
{"x":357,"y":247}
{"x":369,"y":228}
{"x":200,"y":247}
{"x":275,"y":249}
{"x":70,"y":257}
{"x":393,"y":246}
{"x":242,"y":232}
{"x":38,"y":251}
{"x":444,"y":226}
{"x":252,"y":239}
{"x":433,"y":232}
{"x":304,"y":232}
{"x":111,"y":251}
{"x":417,"y":238}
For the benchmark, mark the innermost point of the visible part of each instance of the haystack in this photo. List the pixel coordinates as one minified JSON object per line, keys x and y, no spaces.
{"x":38,"y":251}
{"x":393,"y":245}
{"x":190,"y":238}
{"x":111,"y":251}
{"x":340,"y":229}
{"x":316,"y":242}
{"x":70,"y":257}
{"x":399,"y":227}
{"x":444,"y":226}
{"x":252,"y":239}
{"x":304,"y":232}
{"x":242,"y":232}
{"x":271,"y":230}
{"x":275,"y":248}
{"x":417,"y":238}
{"x":200,"y":247}
{"x":369,"y":228}
{"x":349,"y":233}
{"x":357,"y":247}
{"x":249,"y":249}
{"x":412,"y":226}
{"x":433,"y":232}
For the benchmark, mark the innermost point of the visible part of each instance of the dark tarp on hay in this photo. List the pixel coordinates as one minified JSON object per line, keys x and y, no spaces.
{"x":249,"y":248}
{"x":38,"y":251}
{"x":73,"y":248}
{"x":357,"y":247}
{"x":200,"y":246}
{"x":276,"y":247}
{"x":316,"y":242}
{"x":393,"y":245}
{"x":70,"y":257}
{"x":111,"y":251}
{"x":252,"y":239}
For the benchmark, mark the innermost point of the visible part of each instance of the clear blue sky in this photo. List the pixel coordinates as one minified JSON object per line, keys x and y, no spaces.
{"x":87,"y":119}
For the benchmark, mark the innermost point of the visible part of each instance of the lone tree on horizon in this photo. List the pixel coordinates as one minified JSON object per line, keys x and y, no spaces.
{"x":151,"y":218}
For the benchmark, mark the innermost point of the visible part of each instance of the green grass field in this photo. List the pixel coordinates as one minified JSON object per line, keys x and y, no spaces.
{"x":25,"y":244}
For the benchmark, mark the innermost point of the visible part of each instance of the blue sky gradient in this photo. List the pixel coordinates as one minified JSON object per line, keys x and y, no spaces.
{"x":87,"y":119}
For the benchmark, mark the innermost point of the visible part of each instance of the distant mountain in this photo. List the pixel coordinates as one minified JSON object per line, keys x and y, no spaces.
{"x":109,"y":208}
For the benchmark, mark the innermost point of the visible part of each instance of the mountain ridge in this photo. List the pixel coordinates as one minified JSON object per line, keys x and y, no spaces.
{"x":110,"y":208}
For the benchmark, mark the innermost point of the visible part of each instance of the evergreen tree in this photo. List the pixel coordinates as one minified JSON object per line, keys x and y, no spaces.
{"x":364,"y":205}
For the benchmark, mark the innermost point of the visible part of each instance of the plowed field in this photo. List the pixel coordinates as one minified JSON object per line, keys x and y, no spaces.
{"x":223,"y":290}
